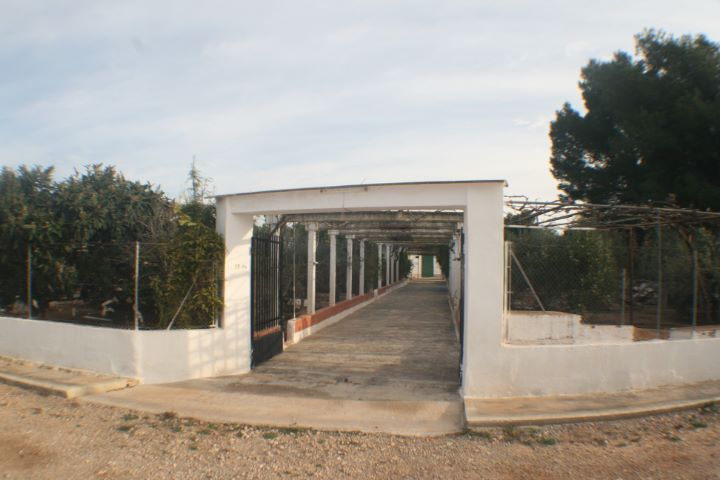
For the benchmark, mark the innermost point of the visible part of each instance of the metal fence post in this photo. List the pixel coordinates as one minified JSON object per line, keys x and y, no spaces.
{"x":695,"y":273}
{"x":658,"y":313}
{"x":136,"y":305}
{"x":29,"y":281}
{"x":622,"y":297}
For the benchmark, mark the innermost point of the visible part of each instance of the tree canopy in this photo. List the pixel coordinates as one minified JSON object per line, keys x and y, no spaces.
{"x":651,"y":130}
{"x":80,"y":233}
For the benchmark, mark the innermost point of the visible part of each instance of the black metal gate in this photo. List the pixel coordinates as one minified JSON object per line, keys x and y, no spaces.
{"x":461,"y":329}
{"x":265,"y":305}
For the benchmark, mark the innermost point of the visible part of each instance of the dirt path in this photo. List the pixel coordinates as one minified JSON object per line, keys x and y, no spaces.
{"x":52,"y":438}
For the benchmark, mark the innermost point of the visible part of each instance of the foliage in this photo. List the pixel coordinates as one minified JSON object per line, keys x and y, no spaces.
{"x":191,"y":275}
{"x":652,"y":127}
{"x":81,"y":234}
{"x":28,"y":214}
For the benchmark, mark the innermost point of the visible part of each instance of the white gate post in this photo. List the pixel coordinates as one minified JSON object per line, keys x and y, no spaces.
{"x":333,"y":266}
{"x":348,"y":270}
{"x":361,"y":273}
{"x":311,"y":267}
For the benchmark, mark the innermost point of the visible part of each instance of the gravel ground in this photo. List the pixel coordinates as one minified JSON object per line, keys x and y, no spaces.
{"x":50,"y":437}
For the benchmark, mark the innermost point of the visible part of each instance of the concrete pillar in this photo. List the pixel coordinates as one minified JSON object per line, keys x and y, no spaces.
{"x":380,"y":265}
{"x":361,"y":273}
{"x":387,"y":264}
{"x":397,"y":267}
{"x":485,"y":363}
{"x":238,"y":231}
{"x":348,"y":269}
{"x":311,"y":267}
{"x":333,"y":266}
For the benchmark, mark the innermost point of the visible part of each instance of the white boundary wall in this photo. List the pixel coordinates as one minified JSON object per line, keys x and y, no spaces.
{"x":155,"y":356}
{"x":99,"y":349}
{"x":533,"y":327}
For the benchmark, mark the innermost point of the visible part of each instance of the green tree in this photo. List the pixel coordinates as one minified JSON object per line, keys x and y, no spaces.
{"x":651,"y":131}
{"x":185,"y":270}
{"x":28,"y":217}
{"x":101,"y":214}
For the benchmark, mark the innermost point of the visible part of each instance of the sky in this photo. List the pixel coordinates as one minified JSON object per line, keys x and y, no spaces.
{"x":284,"y":94}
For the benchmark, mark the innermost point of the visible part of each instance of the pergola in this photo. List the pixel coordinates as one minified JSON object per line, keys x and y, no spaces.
{"x":395,"y":232}
{"x":412,"y":218}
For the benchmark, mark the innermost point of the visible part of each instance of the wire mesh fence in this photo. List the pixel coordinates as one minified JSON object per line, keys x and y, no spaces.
{"x":119,"y":285}
{"x":658,"y":280}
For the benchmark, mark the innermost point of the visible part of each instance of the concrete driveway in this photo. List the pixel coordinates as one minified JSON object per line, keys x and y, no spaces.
{"x":392,"y":366}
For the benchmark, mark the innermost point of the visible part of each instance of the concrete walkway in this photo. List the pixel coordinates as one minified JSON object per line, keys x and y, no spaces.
{"x":582,"y":408}
{"x":392,"y":366}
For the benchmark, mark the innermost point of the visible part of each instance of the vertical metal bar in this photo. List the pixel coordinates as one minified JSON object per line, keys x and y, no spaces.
{"x":622,"y":298}
{"x":136,"y":305}
{"x":695,"y":273}
{"x":658,"y":312}
{"x":278,"y":281}
{"x":294,"y":242}
{"x":508,"y":273}
{"x":263,"y":284}
{"x":631,"y":274}
{"x":253,"y":251}
{"x":29,"y":281}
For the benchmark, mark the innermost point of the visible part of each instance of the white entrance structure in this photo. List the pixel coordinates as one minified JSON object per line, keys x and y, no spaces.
{"x":490,"y":366}
{"x":480,"y":202}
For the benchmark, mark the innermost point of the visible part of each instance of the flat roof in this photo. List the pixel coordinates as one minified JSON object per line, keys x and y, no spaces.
{"x":361,"y":185}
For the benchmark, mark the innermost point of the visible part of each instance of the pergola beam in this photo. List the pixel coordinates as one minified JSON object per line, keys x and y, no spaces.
{"x":381,"y":216}
{"x":392,"y":225}
{"x":390,"y":232}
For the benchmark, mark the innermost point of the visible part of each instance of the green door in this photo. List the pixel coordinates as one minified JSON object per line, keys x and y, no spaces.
{"x":428,"y":265}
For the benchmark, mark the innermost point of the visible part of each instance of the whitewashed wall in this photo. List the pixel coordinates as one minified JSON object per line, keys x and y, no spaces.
{"x":150,"y":356}
{"x":533,"y":327}
{"x":106,"y":350}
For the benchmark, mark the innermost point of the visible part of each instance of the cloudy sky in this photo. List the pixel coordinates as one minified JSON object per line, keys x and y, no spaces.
{"x":277,"y":94}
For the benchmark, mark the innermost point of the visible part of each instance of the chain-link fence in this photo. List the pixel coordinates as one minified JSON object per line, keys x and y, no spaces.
{"x":119,"y":285}
{"x":658,"y":280}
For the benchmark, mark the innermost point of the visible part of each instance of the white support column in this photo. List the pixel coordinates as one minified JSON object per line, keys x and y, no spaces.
{"x":311,"y":267}
{"x":238,"y":231}
{"x":333,"y":266}
{"x":486,"y":365}
{"x":392,"y":266}
{"x":380,"y":265}
{"x":387,"y":264}
{"x":361,"y":273}
{"x":348,"y":269}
